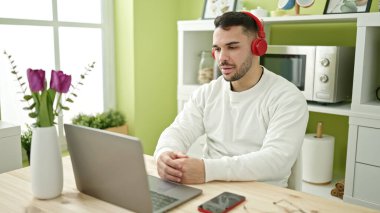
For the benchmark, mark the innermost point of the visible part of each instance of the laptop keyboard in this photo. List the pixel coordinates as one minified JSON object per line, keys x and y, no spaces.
{"x":159,"y":200}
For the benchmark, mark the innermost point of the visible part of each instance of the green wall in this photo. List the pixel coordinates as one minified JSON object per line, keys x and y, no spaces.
{"x":146,"y":66}
{"x":124,"y":58}
{"x":146,"y":63}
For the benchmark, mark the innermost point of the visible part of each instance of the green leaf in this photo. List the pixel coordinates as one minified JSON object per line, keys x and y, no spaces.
{"x":80,"y":83}
{"x":33,"y":115}
{"x":52,"y":93}
{"x":27,"y":97}
{"x":14,"y":72}
{"x":19,"y":78}
{"x":64,"y":107}
{"x":22,"y":84}
{"x":14,"y":67}
{"x":75,"y":95}
{"x":69,"y":100}
{"x":32,"y":106}
{"x":9,"y":56}
{"x":82,"y":76}
{"x":45,"y":115}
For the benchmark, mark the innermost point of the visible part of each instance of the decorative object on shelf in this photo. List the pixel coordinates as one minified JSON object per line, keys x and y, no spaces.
{"x":289,"y":4}
{"x":276,"y":13}
{"x":338,"y":190}
{"x":45,"y":155}
{"x":347,"y":6}
{"x":318,"y":157}
{"x":110,"y":120}
{"x":214,"y":8}
{"x":286,"y":4}
{"x":206,"y":67}
{"x":378,"y":93}
{"x":259,"y":12}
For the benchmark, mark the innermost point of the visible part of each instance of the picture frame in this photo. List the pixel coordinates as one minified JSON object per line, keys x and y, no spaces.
{"x":347,"y":6}
{"x":215,"y":8}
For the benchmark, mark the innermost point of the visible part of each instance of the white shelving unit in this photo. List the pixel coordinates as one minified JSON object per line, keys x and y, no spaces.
{"x":195,"y":36}
{"x":362,"y":184}
{"x":364,"y":110}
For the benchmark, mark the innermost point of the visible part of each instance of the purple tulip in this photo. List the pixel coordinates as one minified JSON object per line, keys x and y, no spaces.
{"x":36,"y":79}
{"x":60,"y":82}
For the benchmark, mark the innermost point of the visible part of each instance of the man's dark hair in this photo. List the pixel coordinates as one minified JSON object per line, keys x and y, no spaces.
{"x":230,"y":19}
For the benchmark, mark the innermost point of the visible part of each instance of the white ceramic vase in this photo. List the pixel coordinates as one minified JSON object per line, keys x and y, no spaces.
{"x":46,"y":163}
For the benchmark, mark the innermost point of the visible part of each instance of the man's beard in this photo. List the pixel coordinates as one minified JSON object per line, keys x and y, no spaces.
{"x":241,"y":72}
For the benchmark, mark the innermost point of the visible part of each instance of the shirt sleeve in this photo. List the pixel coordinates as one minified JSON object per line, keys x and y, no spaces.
{"x":186,"y":128}
{"x":280,"y":149}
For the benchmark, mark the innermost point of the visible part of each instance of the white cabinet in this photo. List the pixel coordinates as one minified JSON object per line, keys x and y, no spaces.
{"x":10,"y":147}
{"x":362,"y":184}
{"x":363,"y":152}
{"x":368,"y":146}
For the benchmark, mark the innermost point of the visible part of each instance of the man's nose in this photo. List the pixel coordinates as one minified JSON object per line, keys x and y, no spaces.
{"x":223,"y":55}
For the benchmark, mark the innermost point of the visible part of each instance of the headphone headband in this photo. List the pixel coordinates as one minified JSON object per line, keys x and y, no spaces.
{"x":261,"y":32}
{"x":259,"y":45}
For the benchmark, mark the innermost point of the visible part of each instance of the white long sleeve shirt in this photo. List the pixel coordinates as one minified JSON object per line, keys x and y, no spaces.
{"x":251,"y":135}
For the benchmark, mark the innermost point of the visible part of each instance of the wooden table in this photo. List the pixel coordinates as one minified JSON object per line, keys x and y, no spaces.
{"x":16,"y":196}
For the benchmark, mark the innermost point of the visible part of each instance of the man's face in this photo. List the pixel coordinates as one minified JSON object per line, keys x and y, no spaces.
{"x":233,"y":52}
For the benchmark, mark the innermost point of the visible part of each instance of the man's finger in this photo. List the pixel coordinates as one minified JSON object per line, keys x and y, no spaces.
{"x":180,"y":155}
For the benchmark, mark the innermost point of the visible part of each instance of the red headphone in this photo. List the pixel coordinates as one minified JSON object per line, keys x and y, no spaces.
{"x":259,"y":45}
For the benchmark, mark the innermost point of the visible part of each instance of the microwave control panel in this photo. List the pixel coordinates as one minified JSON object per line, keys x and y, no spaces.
{"x":333,"y":77}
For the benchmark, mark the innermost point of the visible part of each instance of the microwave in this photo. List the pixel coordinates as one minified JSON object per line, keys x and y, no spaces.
{"x":322,"y":73}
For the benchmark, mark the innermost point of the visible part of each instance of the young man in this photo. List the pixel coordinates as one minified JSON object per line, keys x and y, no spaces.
{"x":254,"y":120}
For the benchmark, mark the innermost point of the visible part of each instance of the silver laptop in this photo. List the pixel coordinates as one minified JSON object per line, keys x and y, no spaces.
{"x":110,"y":167}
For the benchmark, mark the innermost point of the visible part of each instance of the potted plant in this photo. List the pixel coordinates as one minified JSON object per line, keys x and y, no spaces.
{"x":110,"y":120}
{"x":26,"y":141}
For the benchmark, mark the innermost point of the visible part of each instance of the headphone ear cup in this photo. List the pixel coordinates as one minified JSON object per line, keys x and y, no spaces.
{"x":213,"y":53}
{"x":259,"y":46}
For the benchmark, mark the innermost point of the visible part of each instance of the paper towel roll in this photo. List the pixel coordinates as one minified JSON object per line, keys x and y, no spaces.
{"x":318,"y":158}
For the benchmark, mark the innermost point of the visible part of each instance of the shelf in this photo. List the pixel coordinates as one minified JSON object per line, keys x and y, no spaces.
{"x":331,"y":18}
{"x":364,"y":18}
{"x":185,"y":91}
{"x":369,"y":20}
{"x":196,"y":25}
{"x":336,"y":109}
{"x":367,"y":66}
{"x":322,"y":190}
